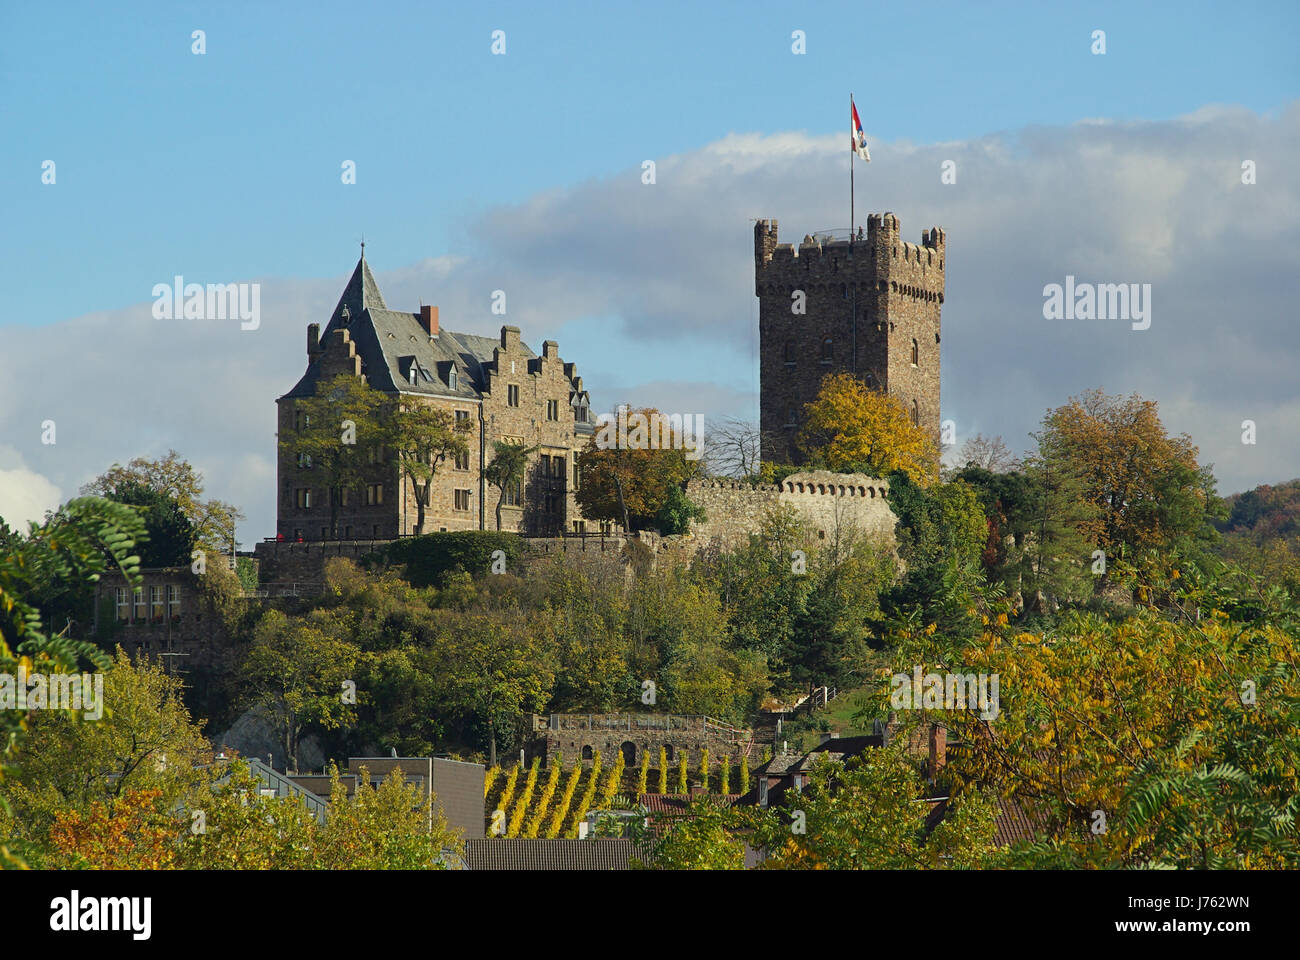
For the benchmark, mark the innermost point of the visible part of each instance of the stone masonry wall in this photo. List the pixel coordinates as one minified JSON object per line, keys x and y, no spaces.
{"x":866,"y":304}
{"x":569,"y":734}
{"x":831,"y":503}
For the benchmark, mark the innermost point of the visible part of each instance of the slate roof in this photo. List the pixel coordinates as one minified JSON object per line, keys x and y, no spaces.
{"x":557,"y":854}
{"x":389,"y":342}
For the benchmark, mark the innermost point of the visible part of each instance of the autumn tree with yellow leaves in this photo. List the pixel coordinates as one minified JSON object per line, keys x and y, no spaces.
{"x":851,"y":428}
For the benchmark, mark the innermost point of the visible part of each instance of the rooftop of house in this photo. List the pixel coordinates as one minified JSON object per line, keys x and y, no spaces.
{"x":499,"y":853}
{"x":399,"y":356}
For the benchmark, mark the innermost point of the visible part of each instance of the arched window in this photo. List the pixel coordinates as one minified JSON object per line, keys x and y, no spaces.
{"x":916,"y":415}
{"x":668,"y":752}
{"x":916,"y":352}
{"x":789,"y":351}
{"x":828,"y":350}
{"x":586,"y":753}
{"x":629,"y":753}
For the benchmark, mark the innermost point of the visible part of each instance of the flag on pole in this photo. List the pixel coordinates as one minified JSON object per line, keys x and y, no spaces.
{"x":859,"y":139}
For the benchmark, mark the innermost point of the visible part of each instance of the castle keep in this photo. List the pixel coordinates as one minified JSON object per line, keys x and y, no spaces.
{"x":866,"y":306}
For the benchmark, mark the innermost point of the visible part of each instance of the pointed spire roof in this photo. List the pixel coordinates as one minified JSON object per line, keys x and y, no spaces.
{"x":360,"y":294}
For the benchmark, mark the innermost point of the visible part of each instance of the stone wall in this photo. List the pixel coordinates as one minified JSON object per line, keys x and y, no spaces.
{"x":284,"y":563}
{"x":834,"y":505}
{"x":571,"y":734}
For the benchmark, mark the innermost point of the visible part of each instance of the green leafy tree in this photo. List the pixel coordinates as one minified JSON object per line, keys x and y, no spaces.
{"x":423,"y":437}
{"x":706,"y":837}
{"x":214,"y":521}
{"x":337,"y":430}
{"x":677,"y":512}
{"x":146,"y":741}
{"x":170,"y":534}
{"x":865,"y":816}
{"x":298,"y":670}
{"x":507,"y":468}
{"x":56,"y":560}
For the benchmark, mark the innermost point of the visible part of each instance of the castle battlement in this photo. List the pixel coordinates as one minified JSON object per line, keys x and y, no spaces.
{"x":829,"y":503}
{"x":869,"y":306}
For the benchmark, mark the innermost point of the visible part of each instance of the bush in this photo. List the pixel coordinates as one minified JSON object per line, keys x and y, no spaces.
{"x":426,"y":560}
{"x":677,"y":512}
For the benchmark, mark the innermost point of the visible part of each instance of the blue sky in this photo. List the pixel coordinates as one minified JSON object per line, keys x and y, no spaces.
{"x":229,"y":162}
{"x":523,"y":172}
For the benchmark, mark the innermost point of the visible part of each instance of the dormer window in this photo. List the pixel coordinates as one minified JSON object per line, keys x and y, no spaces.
{"x":451,"y":378}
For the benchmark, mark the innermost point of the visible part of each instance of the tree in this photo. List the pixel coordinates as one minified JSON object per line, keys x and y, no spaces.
{"x":704,"y":837}
{"x":58,"y":559}
{"x":243,"y":830}
{"x":506,"y":469}
{"x":129,"y":832}
{"x":1181,"y":734}
{"x":213,"y":521}
{"x":852,"y":428}
{"x":422,"y":436}
{"x":170,"y":534}
{"x":629,"y":465}
{"x":390,"y":827}
{"x":344,"y":418}
{"x":1146,"y":487}
{"x":490,"y":670}
{"x":735,"y":448}
{"x":865,"y":816}
{"x":941,"y":537}
{"x":987,"y":453}
{"x":1059,"y":513}
{"x":677,"y":512}
{"x":297,"y":669}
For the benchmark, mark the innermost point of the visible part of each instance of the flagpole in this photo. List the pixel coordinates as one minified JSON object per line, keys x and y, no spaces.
{"x":853,"y":136}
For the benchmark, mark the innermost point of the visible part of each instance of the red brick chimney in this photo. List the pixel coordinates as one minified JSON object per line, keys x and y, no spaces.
{"x":429,"y":320}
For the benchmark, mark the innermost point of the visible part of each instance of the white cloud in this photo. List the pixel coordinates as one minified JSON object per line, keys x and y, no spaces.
{"x":25,"y":495}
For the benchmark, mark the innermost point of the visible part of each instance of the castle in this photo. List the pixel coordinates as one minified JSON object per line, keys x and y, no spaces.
{"x":869,"y":307}
{"x":506,"y":391}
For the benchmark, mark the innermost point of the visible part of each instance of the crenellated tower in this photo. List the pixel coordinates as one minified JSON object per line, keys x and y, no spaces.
{"x":869,"y":306}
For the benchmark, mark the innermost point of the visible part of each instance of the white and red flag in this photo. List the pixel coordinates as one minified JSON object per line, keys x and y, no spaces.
{"x":859,"y":139}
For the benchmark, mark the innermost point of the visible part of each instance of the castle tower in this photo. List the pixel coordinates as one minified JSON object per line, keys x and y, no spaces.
{"x":870,"y":307}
